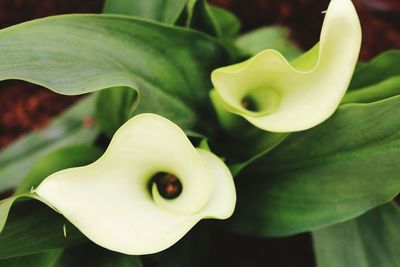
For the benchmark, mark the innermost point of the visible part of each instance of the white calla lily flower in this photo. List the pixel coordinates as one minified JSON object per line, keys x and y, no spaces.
{"x":278,"y":96}
{"x":147,"y":191}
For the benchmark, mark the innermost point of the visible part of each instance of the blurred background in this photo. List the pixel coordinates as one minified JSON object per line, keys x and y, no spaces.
{"x":25,"y":107}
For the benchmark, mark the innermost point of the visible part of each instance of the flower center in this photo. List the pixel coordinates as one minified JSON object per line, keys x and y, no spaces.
{"x":168,"y":185}
{"x":249,"y":104}
{"x":261,"y":101}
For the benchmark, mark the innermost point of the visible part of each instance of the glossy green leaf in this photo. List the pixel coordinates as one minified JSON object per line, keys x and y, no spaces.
{"x":114,"y":107}
{"x":30,"y":226}
{"x":275,"y":37}
{"x":201,"y":18}
{"x":66,"y":129}
{"x":169,"y":66}
{"x":212,"y":20}
{"x":331,"y":173}
{"x":86,"y":255}
{"x":375,"y":80}
{"x":5,"y":206}
{"x":89,"y":255}
{"x":66,"y":157}
{"x":43,"y":259}
{"x":381,"y":68}
{"x":375,"y":92}
{"x":166,"y":11}
{"x":33,"y":227}
{"x":227,"y":23}
{"x":368,"y":241}
{"x":195,"y":249}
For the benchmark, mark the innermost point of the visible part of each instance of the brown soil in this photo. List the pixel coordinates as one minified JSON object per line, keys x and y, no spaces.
{"x":25,"y":106}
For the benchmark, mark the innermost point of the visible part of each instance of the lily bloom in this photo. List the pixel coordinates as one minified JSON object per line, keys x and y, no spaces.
{"x":278,"y":96}
{"x":148,"y":190}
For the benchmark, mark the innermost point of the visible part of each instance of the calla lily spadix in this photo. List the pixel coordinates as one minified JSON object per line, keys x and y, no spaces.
{"x":148,"y":190}
{"x":278,"y":96}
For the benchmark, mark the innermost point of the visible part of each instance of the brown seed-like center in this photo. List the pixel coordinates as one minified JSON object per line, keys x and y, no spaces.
{"x":168,"y":185}
{"x":249,"y":104}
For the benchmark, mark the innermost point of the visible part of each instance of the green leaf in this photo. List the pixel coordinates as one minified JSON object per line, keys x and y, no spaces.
{"x":383,"y":67}
{"x":43,"y":259}
{"x":239,"y":141}
{"x":201,"y":18}
{"x":89,"y":255}
{"x":166,"y":11}
{"x":375,"y":92}
{"x":212,"y":20}
{"x":31,"y":227}
{"x":77,"y":155}
{"x":195,"y":249}
{"x":227,"y":23}
{"x":114,"y":105}
{"x":67,"y":129}
{"x":75,"y":54}
{"x":331,"y":173}
{"x":114,"y":108}
{"x":376,"y":80}
{"x":370,"y":240}
{"x":5,"y":206}
{"x":268,"y":38}
{"x":86,"y":255}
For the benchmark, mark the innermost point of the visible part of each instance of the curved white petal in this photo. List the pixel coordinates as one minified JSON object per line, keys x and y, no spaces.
{"x":223,"y":199}
{"x":297,"y":96}
{"x":109,"y":200}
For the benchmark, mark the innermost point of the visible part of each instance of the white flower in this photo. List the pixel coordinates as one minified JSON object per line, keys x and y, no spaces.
{"x":148,"y":190}
{"x":280,"y":97}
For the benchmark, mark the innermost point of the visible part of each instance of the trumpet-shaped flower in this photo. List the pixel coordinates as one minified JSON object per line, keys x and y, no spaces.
{"x":278,"y":96}
{"x":149,"y":188}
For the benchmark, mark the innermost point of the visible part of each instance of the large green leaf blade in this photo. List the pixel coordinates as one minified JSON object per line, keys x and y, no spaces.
{"x":63,"y":158}
{"x":370,"y":240}
{"x":166,"y":11}
{"x":114,"y":107}
{"x":227,"y":23}
{"x":43,"y":259}
{"x":28,"y":226}
{"x":212,"y":20}
{"x":277,"y":38}
{"x":71,"y":127}
{"x":85,"y":255}
{"x":375,"y":92}
{"x":382,"y":67}
{"x":375,"y":80}
{"x":201,"y":18}
{"x":33,"y":227}
{"x":90,"y":255}
{"x":75,"y":54}
{"x":331,"y":173}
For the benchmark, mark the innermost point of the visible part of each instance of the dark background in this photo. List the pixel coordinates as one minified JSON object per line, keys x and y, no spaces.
{"x":25,"y":107}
